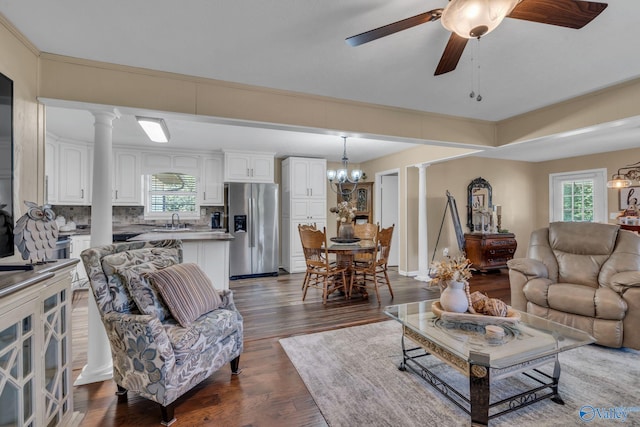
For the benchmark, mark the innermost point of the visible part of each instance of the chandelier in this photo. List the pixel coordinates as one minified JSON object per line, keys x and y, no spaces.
{"x":342,"y":175}
{"x":623,"y":180}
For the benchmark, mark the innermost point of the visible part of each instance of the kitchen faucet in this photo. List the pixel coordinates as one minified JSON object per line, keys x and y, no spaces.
{"x":173,"y":216}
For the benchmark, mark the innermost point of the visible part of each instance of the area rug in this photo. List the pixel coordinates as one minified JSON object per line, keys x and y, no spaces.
{"x":353,"y":376}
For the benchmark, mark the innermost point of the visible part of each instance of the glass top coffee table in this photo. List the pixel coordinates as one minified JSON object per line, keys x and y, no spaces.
{"x":520,"y":345}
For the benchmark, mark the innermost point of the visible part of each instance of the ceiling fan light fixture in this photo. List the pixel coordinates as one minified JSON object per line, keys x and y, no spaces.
{"x":475,"y":18}
{"x":155,"y":128}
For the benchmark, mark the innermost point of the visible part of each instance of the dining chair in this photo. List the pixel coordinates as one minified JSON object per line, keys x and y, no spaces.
{"x":306,"y":227}
{"x":373,"y":274}
{"x":367,"y":233}
{"x":320,"y":273}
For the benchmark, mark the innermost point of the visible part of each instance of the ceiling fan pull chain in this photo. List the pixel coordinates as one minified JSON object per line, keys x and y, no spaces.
{"x":477,"y":49}
{"x":473,"y":93}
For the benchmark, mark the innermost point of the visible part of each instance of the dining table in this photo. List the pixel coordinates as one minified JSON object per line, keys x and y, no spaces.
{"x":346,"y":252}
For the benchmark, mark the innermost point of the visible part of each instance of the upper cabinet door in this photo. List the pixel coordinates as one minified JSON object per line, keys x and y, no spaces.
{"x":262,"y":168}
{"x":51,"y":171}
{"x":212,"y":185}
{"x":240,"y":166}
{"x":308,"y":178}
{"x":317,"y":180}
{"x":299,"y":177}
{"x":73,"y":174}
{"x":127,"y":178}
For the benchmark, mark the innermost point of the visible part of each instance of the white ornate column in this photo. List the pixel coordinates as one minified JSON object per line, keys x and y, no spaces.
{"x":99,"y":366}
{"x":423,"y":247}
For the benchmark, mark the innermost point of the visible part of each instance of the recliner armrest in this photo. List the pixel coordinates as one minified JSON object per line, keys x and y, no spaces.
{"x":529,"y":267}
{"x":620,"y":282}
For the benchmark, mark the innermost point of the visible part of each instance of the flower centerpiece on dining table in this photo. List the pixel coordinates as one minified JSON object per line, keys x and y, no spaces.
{"x":346,"y":212}
{"x":452,"y":276}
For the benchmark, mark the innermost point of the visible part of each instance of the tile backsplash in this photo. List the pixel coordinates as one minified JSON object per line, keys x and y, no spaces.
{"x":128,"y":215}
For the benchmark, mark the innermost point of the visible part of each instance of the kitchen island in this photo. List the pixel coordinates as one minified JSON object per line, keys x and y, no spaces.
{"x":208,"y":249}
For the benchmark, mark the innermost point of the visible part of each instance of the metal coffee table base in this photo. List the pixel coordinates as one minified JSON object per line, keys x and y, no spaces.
{"x":478,"y":405}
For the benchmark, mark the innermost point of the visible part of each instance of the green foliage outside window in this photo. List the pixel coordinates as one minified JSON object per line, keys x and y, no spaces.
{"x":577,"y":201}
{"x":172,"y":192}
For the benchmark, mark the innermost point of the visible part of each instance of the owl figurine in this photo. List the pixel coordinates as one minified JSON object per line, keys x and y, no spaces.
{"x":36,"y":233}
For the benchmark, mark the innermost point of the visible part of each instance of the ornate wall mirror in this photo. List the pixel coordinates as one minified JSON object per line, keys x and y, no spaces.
{"x":478,"y":204}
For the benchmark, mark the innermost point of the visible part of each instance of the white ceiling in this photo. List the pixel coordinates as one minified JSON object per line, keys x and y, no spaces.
{"x":299,"y":46}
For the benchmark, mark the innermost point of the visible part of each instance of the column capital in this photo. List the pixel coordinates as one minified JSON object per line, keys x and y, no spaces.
{"x":422,"y":165}
{"x":108,"y":114}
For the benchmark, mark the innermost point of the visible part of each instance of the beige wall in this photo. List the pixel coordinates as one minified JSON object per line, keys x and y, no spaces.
{"x":513,"y":185}
{"x":612,"y":161}
{"x":101,"y":83}
{"x":521,"y":188}
{"x":19,"y":62}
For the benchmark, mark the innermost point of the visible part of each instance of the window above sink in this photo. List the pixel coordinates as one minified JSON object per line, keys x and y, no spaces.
{"x":167,"y":193}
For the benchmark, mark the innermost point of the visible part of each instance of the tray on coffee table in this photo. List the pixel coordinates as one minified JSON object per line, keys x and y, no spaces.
{"x":482,"y":319}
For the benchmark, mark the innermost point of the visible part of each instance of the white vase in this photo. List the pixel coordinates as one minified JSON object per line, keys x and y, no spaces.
{"x":454,"y":297}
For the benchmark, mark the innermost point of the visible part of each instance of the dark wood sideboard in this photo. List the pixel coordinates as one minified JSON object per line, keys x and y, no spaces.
{"x":488,"y":251}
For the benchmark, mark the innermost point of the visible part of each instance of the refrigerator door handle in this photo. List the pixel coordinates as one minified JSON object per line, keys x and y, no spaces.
{"x":250,"y":225}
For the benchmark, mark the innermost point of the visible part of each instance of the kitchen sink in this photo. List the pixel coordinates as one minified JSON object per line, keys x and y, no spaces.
{"x":169,"y":230}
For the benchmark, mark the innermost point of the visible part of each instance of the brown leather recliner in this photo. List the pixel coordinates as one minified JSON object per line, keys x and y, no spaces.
{"x":584,"y":275}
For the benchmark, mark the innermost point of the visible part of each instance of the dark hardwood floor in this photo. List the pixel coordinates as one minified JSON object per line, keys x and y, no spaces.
{"x":269,"y":391}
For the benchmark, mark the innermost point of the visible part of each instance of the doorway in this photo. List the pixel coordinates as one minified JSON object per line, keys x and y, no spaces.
{"x":388,"y":208}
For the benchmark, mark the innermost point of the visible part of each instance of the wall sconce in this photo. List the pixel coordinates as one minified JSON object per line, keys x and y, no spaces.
{"x":156,"y":129}
{"x":624,"y":180}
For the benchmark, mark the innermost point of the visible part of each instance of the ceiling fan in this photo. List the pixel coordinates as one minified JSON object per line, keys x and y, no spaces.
{"x":475,"y":18}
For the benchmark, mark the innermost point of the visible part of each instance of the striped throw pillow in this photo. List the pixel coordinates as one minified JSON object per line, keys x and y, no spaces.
{"x":186,"y":290}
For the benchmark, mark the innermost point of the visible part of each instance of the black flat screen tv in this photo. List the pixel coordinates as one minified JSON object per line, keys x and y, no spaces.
{"x":6,"y":166}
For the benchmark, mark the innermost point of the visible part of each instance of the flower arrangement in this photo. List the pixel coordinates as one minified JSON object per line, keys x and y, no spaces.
{"x":345,"y":211}
{"x":457,"y":269}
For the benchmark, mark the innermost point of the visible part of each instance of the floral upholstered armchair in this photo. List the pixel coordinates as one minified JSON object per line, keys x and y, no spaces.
{"x":161,"y":345}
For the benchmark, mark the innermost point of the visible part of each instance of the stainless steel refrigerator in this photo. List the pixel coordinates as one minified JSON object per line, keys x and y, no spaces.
{"x":252,"y":211}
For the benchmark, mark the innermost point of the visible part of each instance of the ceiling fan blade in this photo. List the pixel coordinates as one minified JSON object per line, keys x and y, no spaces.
{"x":357,"y":40}
{"x":451,"y":55}
{"x":564,"y":13}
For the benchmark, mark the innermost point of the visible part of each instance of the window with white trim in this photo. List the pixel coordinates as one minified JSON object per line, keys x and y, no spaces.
{"x":167,"y":193}
{"x":579,"y":196}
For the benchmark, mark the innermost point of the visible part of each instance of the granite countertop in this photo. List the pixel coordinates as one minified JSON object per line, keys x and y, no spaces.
{"x":191,"y":234}
{"x":140,"y":229}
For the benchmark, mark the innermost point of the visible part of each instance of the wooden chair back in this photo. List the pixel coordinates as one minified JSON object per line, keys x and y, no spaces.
{"x":384,"y":245}
{"x":366,"y":231}
{"x":368,"y":234}
{"x":314,"y":246}
{"x":308,"y":226}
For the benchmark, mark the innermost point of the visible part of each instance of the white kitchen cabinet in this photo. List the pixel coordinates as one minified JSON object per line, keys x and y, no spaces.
{"x":74,"y":179}
{"x":308,"y":209}
{"x":212,"y":181}
{"x":212,"y":256}
{"x":127,"y":178}
{"x":243,"y":166}
{"x":303,"y":202}
{"x":170,"y":162}
{"x":309,"y":177}
{"x":51,"y":164}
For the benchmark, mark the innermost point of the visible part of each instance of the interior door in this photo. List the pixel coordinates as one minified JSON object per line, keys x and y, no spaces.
{"x":389,"y":214}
